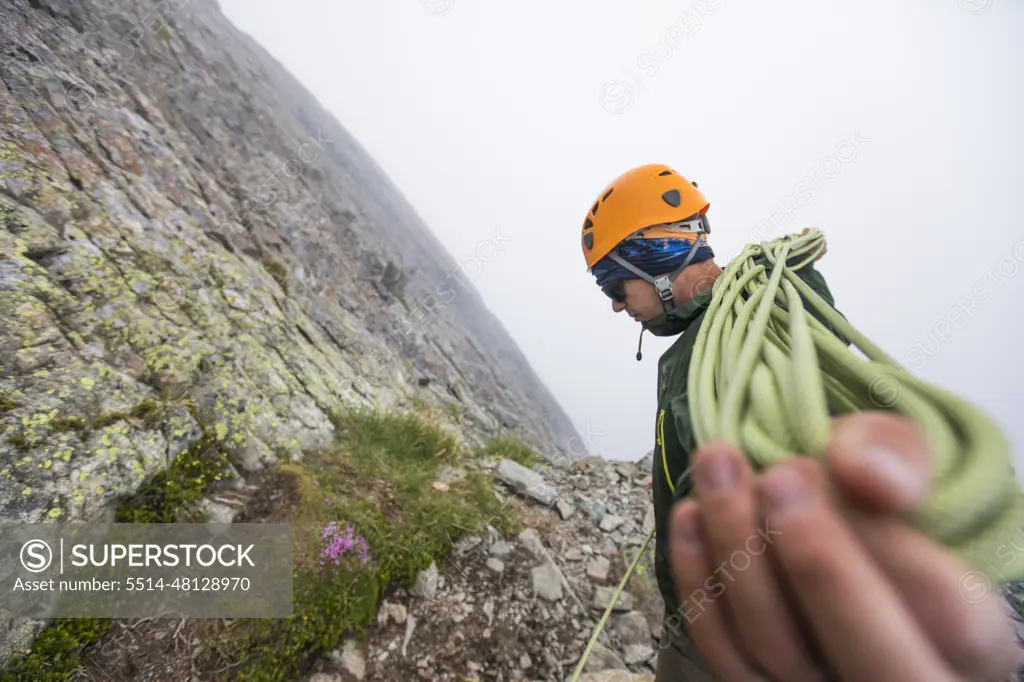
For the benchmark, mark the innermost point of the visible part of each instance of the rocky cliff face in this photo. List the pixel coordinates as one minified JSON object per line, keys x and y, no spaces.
{"x":190,"y":243}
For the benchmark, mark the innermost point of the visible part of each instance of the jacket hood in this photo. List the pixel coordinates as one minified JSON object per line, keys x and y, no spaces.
{"x":679,"y":319}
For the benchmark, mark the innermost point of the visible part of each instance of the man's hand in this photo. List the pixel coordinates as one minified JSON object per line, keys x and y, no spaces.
{"x":810,"y":571}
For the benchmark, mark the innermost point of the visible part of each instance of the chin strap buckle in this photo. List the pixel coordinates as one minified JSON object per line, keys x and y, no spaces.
{"x":663,"y":285}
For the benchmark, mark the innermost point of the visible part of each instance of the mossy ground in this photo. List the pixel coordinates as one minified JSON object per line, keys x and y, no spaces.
{"x":505,"y":446}
{"x":378,"y":477}
{"x":56,"y":652}
{"x":170,"y":495}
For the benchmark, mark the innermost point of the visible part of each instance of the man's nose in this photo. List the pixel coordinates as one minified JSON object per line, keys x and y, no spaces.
{"x":618,"y":306}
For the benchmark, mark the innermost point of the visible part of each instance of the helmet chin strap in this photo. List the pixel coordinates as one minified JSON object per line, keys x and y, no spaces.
{"x":663,"y":284}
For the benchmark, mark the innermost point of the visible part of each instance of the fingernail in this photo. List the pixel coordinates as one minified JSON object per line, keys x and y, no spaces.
{"x":783,"y":490}
{"x":896,"y":469}
{"x":688,"y":528}
{"x":718,"y":472}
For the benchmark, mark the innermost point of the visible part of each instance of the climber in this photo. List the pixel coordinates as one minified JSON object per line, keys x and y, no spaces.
{"x":850,"y":587}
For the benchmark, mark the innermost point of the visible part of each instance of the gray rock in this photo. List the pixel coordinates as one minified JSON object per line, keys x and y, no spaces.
{"x":561,"y":461}
{"x":392,"y":612}
{"x":603,"y":597}
{"x":602,"y":658}
{"x":638,"y":653}
{"x":648,"y":521}
{"x":426,"y":582}
{"x":410,"y":627}
{"x":350,"y":659}
{"x":218,"y":512}
{"x":626,"y":470}
{"x":598,"y":568}
{"x":610,"y":522}
{"x":532,"y":542}
{"x":615,"y":676}
{"x":232,"y":479}
{"x":326,"y":677}
{"x":495,"y":564}
{"x":565,"y":510}
{"x":574,"y":554}
{"x":594,"y":509}
{"x":631,"y":628}
{"x":546,"y":582}
{"x":466,"y":545}
{"x":526,"y":481}
{"x":656,"y":623}
{"x":500,"y":548}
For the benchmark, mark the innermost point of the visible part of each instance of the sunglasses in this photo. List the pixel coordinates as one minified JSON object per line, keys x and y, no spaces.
{"x":616,"y":291}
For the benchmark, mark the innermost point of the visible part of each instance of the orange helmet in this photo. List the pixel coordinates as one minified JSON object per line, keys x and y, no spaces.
{"x":644,"y":197}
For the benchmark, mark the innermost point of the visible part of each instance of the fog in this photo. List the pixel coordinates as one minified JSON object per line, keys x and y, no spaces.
{"x":893,"y":127}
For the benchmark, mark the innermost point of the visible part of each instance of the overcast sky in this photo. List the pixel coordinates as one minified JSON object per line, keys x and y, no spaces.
{"x":894,"y":127}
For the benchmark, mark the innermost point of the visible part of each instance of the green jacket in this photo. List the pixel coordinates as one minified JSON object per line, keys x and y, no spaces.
{"x":672,"y":426}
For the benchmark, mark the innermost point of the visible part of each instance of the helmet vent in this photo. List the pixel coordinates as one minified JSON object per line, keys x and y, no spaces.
{"x":664,"y":173}
{"x":588,"y":240}
{"x":607,"y":194}
{"x":589,"y":224}
{"x":672,"y":198}
{"x":593,"y":211}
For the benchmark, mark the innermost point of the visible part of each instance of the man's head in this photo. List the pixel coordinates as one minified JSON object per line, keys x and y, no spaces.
{"x":644,"y":240}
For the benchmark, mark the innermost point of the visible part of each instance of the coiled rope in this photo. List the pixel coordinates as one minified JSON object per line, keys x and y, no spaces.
{"x":767,"y":376}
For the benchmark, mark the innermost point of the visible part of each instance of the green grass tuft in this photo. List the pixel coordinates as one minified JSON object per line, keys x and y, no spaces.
{"x":506,"y":446}
{"x":68,"y":424}
{"x":20,"y":442}
{"x":183,"y":483}
{"x":378,"y":477}
{"x":54,"y":655}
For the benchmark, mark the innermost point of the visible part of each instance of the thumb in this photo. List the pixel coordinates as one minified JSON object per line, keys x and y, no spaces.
{"x":879,"y":460}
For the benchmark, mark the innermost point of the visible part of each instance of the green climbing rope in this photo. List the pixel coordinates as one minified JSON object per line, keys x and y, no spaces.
{"x":767,"y":377}
{"x":771,"y":385}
